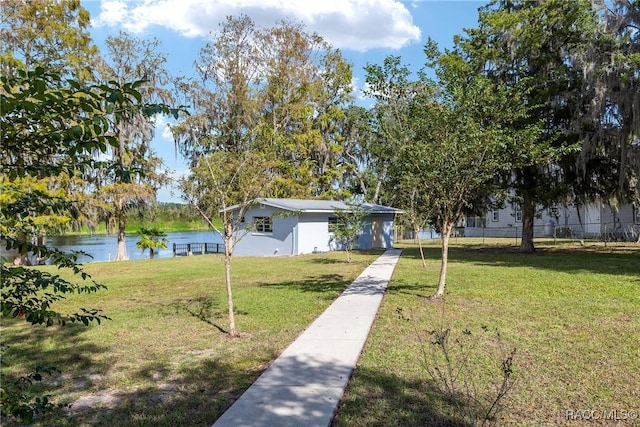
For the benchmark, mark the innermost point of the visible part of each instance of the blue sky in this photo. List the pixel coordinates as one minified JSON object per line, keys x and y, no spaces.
{"x":366,"y":31}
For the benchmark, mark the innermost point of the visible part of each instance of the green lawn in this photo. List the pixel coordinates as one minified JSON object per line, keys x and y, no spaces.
{"x":572,"y":312}
{"x":162,"y":360}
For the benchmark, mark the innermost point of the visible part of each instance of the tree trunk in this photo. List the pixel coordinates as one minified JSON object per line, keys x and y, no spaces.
{"x":417,"y":231}
{"x":228,"y":235}
{"x":446,"y":233}
{"x":22,"y":258}
{"x":376,"y":194}
{"x":528,"y":215}
{"x":121,"y":249}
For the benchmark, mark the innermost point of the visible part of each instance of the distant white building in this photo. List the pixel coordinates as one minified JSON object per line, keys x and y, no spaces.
{"x":595,"y":220}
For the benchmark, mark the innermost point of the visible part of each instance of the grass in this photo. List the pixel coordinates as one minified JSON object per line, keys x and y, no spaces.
{"x":572,"y":312}
{"x":163,"y":359}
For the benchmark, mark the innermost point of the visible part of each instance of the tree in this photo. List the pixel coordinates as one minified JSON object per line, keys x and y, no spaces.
{"x":391,"y":86}
{"x":463,"y":139}
{"x":49,"y":126}
{"x":152,"y":239}
{"x":530,"y":45}
{"x":263,"y":102}
{"x":51,"y":35}
{"x":278,"y":89}
{"x":452,"y":141}
{"x":46,"y":123}
{"x":359,"y":159}
{"x":225,"y":184}
{"x":608,"y":164}
{"x":349,"y":226}
{"x":55,"y":37}
{"x":133,"y":176}
{"x":306,"y":86}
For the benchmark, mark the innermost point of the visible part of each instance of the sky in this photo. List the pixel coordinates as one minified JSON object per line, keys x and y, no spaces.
{"x":366,"y":31}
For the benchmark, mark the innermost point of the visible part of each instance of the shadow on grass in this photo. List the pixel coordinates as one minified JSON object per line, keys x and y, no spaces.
{"x":207,"y":309}
{"x":61,"y":347}
{"x":343,"y":259}
{"x":377,"y":398}
{"x":195,"y":396}
{"x":565,"y":260}
{"x":31,"y":345}
{"x":323,"y":283}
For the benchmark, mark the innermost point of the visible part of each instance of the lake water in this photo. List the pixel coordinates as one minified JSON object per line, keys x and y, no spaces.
{"x":103,"y":247}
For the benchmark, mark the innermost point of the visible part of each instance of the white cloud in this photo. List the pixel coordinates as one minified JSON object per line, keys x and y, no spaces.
{"x":348,"y":24}
{"x":162,"y":127}
{"x":112,"y":13}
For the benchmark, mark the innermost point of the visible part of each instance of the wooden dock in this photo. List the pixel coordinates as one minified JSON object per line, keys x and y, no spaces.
{"x":189,"y":249}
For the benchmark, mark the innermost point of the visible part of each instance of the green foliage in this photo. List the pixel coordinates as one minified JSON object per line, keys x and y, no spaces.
{"x":51,"y":35}
{"x":390,"y":84}
{"x":49,"y":129}
{"x":29,"y":293}
{"x":446,"y":139}
{"x":349,"y":226}
{"x":19,"y":399}
{"x":278,"y":90}
{"x":152,"y":239}
{"x":50,"y":126}
{"x":529,"y":46}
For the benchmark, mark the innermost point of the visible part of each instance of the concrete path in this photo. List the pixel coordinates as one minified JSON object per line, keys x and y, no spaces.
{"x":304,"y":385}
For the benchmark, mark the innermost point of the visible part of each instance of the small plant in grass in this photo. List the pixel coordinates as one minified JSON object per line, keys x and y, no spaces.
{"x":462,"y":364}
{"x":152,"y":239}
{"x":20,"y":398}
{"x":348,"y":226}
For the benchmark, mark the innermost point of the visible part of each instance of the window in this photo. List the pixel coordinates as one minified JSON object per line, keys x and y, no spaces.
{"x":495,"y":215}
{"x":333,"y":222}
{"x":636,"y":215}
{"x":475,"y":221}
{"x":262,"y":224}
{"x":518,"y":212}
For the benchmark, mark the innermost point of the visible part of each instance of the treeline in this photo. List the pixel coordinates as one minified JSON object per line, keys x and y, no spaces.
{"x":169,"y":217}
{"x":165,"y":217}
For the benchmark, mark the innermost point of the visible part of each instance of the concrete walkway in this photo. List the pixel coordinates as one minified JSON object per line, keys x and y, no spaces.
{"x":304,"y":385}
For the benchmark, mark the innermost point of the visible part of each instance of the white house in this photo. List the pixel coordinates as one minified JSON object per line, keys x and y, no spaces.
{"x":595,"y":220}
{"x":295,"y":227}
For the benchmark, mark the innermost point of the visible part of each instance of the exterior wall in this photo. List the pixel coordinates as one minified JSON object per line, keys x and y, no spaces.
{"x":279,"y":242}
{"x":378,"y":232}
{"x":364,"y":240}
{"x":384,"y":238}
{"x":585,"y":221}
{"x":618,"y":220}
{"x":313,"y":233}
{"x":387,"y":231}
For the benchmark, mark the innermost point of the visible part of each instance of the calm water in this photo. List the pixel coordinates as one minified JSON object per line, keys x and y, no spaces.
{"x":103,"y":247}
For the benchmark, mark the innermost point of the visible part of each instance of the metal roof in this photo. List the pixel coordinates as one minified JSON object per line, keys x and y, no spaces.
{"x":319,"y":206}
